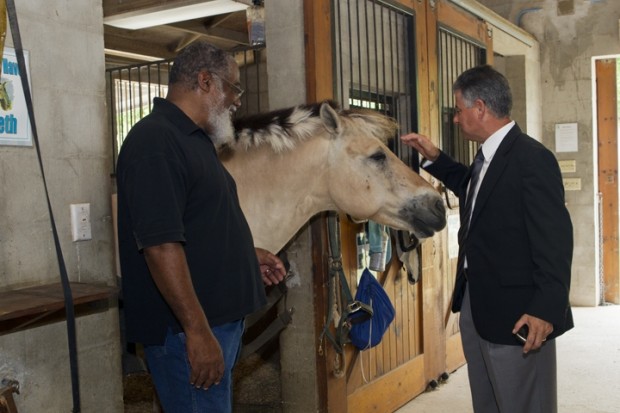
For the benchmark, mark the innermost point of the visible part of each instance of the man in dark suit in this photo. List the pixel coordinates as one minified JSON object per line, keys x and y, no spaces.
{"x":515,"y":249}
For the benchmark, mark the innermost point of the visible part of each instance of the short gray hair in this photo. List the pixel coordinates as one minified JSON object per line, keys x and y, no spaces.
{"x":195,"y":58}
{"x":487,"y":84}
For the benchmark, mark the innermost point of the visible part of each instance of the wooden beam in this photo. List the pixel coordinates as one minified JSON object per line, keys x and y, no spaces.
{"x":318,"y":48}
{"x":115,"y":7}
{"x":227,"y":34}
{"x":221,"y":37}
{"x":121,"y":39}
{"x":464,"y":23}
{"x":186,"y":41}
{"x":607,"y":138}
{"x":319,"y":261}
{"x":210,"y":30}
{"x":332,"y":390}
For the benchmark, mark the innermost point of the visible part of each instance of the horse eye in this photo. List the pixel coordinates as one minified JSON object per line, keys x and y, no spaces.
{"x":378,"y":156}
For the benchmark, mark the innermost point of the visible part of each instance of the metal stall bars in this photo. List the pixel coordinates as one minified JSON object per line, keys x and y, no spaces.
{"x":130,"y":92}
{"x":131,"y":89}
{"x":375,"y":63}
{"x":456,"y":54}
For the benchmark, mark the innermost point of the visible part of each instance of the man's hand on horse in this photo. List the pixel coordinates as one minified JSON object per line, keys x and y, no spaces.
{"x":421,"y":144}
{"x":271,"y":267}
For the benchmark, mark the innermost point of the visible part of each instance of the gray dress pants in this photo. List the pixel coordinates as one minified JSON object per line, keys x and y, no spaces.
{"x":503,"y":379}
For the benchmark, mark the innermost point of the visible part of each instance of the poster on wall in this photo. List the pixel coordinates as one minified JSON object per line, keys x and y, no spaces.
{"x":566,"y":137}
{"x":14,"y":123}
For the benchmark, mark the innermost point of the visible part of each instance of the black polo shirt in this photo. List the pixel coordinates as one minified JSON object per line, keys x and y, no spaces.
{"x":173,"y":188}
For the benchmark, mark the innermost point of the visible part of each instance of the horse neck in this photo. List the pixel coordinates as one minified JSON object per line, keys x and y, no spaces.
{"x":279,"y":193}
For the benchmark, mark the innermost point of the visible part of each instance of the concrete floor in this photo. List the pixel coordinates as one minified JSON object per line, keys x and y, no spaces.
{"x":588,"y":370}
{"x":588,"y":374}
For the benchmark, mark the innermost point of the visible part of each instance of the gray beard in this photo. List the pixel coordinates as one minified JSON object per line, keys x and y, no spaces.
{"x":223,"y":131}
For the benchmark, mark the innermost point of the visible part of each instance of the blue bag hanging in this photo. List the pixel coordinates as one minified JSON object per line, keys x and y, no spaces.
{"x":368,"y":332}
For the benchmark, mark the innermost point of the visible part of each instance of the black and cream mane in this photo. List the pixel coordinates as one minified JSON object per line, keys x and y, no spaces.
{"x":283,"y":128}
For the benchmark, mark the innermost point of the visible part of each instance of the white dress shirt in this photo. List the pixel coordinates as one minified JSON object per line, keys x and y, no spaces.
{"x":489,"y":147}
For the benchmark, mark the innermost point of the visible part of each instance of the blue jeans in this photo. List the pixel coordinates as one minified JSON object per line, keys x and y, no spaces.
{"x":170,"y":372}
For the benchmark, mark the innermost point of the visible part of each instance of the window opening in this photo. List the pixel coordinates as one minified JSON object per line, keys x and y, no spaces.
{"x":375,"y":68}
{"x":456,"y":54}
{"x":131,"y":89}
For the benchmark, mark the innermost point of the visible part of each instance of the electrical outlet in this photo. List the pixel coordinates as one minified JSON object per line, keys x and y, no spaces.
{"x":80,"y":222}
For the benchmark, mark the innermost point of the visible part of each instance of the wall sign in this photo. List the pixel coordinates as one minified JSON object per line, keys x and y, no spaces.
{"x":572,"y":184}
{"x":14,"y":122}
{"x":566,"y":137}
{"x":567,"y":166}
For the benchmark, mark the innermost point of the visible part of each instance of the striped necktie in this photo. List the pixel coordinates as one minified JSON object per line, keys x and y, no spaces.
{"x":473,"y":182}
{"x":467,"y":208}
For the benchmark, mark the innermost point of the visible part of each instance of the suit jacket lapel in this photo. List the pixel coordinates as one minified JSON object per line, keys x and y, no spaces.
{"x":495,"y":170}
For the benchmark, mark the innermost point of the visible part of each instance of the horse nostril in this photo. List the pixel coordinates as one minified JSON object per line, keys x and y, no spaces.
{"x":440,"y":214}
{"x":441,"y":209}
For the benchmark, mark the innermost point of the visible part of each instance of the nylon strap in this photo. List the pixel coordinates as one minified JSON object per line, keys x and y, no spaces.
{"x":348,"y":305}
{"x":75,"y":384}
{"x":275,"y":327}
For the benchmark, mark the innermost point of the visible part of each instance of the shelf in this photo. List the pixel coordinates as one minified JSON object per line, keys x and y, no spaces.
{"x":26,"y":306}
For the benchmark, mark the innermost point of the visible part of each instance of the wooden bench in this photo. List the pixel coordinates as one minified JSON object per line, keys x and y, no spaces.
{"x":26,"y":307}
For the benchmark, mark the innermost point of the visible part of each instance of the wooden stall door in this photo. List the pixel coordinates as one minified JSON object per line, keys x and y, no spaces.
{"x":423,"y":342}
{"x":385,"y":377}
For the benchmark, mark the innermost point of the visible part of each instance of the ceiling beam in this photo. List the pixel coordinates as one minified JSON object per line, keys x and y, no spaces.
{"x":114,"y":7}
{"x":119,"y":39}
{"x":228,"y":36}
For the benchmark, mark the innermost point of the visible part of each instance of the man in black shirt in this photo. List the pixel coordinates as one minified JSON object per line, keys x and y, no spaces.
{"x":190,"y":270}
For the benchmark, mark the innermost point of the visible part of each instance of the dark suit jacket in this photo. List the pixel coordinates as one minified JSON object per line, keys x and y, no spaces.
{"x":520,"y":242}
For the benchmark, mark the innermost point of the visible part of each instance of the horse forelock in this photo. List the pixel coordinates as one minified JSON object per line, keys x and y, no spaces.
{"x":282,"y":129}
{"x":374,"y":123}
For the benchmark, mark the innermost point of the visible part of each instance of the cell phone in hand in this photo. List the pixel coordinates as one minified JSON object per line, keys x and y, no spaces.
{"x":522,"y":333}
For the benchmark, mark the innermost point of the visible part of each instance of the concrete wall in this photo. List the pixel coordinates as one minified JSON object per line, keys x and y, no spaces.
{"x":65,"y":42}
{"x":571,"y":33}
{"x":284,"y":31}
{"x":287,"y":87}
{"x":520,"y":63}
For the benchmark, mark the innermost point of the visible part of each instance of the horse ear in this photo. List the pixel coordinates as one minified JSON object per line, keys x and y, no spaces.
{"x":330,"y":118}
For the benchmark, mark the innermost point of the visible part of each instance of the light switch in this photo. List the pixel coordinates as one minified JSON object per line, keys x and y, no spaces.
{"x":80,"y":222}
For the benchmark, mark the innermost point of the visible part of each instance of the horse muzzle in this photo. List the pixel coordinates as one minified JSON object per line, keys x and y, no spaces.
{"x":426,"y":214}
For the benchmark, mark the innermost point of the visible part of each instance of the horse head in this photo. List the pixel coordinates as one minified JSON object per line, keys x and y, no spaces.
{"x":292,"y":163}
{"x":368,"y":181}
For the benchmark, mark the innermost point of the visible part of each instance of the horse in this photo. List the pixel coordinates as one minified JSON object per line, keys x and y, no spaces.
{"x":293,"y":163}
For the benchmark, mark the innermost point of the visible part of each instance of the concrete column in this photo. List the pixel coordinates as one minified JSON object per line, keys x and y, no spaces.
{"x":284,"y":29}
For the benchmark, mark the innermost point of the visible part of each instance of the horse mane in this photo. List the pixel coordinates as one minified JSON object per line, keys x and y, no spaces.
{"x":284,"y":128}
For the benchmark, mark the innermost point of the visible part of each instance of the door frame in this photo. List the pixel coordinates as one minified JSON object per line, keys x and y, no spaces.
{"x":607,"y":260}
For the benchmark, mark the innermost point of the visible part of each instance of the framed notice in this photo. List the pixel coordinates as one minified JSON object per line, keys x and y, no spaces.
{"x":14,"y":122}
{"x":566,"y":137}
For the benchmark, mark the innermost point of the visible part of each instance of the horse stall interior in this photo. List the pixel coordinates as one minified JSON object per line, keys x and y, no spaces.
{"x":398,"y":57}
